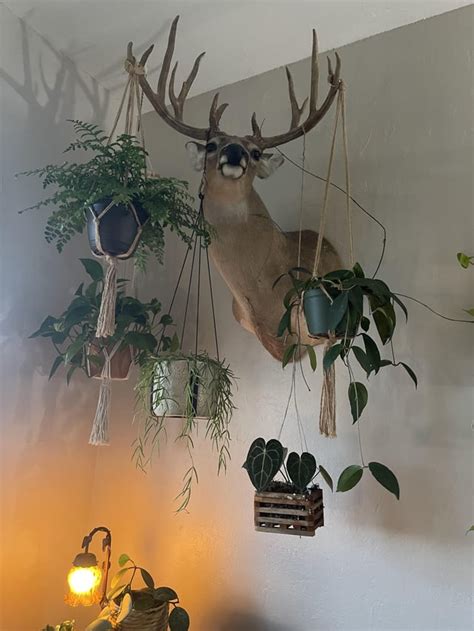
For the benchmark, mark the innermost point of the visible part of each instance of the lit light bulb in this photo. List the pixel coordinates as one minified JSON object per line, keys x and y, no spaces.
{"x":84,"y":580}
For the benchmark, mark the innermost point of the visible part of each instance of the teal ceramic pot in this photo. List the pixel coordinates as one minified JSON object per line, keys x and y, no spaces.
{"x":317,"y":307}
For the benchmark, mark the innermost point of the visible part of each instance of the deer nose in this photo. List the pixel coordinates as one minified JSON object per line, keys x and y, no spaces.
{"x":234,"y":154}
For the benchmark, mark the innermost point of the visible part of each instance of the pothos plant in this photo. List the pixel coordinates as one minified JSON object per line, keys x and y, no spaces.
{"x":117,"y":171}
{"x":266,"y":459}
{"x":357,"y":306}
{"x":123,"y":595}
{"x":138,"y":325}
{"x":215,"y":378}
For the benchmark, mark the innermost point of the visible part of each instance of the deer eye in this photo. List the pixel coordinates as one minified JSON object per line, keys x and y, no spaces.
{"x":256,"y":154}
{"x":210,"y":147}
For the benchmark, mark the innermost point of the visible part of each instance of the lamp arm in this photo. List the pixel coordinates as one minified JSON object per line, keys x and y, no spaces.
{"x":107,"y":548}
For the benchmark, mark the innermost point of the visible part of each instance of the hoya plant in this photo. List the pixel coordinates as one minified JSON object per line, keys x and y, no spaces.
{"x":147,"y":605}
{"x":139,"y":325}
{"x":116,"y":171}
{"x":356,"y":307}
{"x":265,"y":460}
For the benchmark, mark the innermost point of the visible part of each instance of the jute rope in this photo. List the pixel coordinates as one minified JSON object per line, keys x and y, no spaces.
{"x":327,"y":408}
{"x":100,"y":426}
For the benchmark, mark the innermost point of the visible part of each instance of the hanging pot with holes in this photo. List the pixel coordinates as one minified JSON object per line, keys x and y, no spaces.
{"x":115,"y":229}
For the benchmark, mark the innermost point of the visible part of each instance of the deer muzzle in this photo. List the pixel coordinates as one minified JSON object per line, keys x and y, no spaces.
{"x":233,"y":161}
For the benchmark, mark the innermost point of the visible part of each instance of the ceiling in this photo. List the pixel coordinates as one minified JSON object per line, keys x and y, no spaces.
{"x":242,"y":37}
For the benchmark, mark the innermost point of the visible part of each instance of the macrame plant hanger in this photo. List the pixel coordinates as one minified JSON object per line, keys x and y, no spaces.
{"x":106,"y":320}
{"x":196,"y":246}
{"x":327,"y":412}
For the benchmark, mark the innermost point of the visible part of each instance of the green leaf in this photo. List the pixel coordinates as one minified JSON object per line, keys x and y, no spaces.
{"x":116,"y":591}
{"x":126,"y":607}
{"x":179,"y":620}
{"x":313,"y":360}
{"x":470,"y":311}
{"x":349,"y":478}
{"x":147,"y":578}
{"x":464,"y":260}
{"x":165,"y":594}
{"x":57,"y":362}
{"x":471,"y":529}
{"x":372,"y":352}
{"x":46,"y":328}
{"x":401,"y":305}
{"x":411,"y":373}
{"x":301,"y":469}
{"x":123,"y":558}
{"x":73,"y":349}
{"x":331,"y":355}
{"x":118,"y":576}
{"x":79,"y":290}
{"x":365,"y":323}
{"x":358,"y":271}
{"x":289,"y":354}
{"x":358,"y":397}
{"x":141,"y":341}
{"x":285,"y":323}
{"x":384,"y":318}
{"x":263,"y":462}
{"x":337,"y":310}
{"x":385,"y":477}
{"x":362,"y":358}
{"x":70,"y":373}
{"x":93,"y":268}
{"x":326,"y":477}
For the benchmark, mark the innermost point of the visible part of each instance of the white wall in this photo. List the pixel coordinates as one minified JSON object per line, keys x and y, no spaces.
{"x":47,"y":468}
{"x":378,"y":563}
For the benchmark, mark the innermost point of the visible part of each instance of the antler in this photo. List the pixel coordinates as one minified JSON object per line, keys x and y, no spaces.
{"x":157,"y":99}
{"x":315,"y":114}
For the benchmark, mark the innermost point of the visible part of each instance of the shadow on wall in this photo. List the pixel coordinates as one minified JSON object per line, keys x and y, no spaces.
{"x":47,"y":466}
{"x":238,"y":621}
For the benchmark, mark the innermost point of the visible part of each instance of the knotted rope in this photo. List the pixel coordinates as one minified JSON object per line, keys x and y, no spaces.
{"x":327,"y":409}
{"x":100,"y":426}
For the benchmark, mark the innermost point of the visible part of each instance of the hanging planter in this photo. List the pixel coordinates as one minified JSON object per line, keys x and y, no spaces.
{"x":73,"y":335}
{"x":317,"y":312}
{"x":184,"y":387}
{"x":114,"y":229}
{"x":293,"y":506}
{"x":120,"y":363}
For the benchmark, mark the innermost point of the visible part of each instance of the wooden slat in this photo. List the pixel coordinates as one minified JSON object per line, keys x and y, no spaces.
{"x":300,"y":533}
{"x":283,"y":521}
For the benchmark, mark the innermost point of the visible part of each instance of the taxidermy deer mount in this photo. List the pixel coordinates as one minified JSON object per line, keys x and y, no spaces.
{"x":249,"y":250}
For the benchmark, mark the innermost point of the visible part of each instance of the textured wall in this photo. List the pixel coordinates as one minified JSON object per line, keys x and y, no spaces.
{"x":378,"y":563}
{"x":47,"y":469}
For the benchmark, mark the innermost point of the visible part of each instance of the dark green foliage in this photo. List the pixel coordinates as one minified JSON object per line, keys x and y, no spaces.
{"x":349,"y":478}
{"x":265,"y":459}
{"x":351,"y":294}
{"x":138,"y":325}
{"x":118,"y":171}
{"x":352,"y":475}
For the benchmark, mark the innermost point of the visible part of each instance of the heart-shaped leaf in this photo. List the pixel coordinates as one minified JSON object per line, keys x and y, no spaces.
{"x":126,"y":607}
{"x":301,"y":469}
{"x":331,"y":355}
{"x":147,"y":578}
{"x":179,"y":620}
{"x":385,"y":477}
{"x":358,"y":397}
{"x":93,"y":268}
{"x":349,"y":478}
{"x":123,"y":558}
{"x":165,"y":594}
{"x":263,"y":462}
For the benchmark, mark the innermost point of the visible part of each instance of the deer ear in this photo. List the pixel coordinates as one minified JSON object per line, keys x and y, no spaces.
{"x":197,"y":154}
{"x":268,"y":164}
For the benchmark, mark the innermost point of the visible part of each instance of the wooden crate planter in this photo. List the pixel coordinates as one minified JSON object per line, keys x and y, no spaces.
{"x":288,"y":513}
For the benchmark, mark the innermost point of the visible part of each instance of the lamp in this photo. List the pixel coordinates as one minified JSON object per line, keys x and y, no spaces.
{"x":86,"y":580}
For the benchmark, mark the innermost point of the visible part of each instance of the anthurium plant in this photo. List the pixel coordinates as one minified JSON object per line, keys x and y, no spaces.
{"x":117,"y":171}
{"x":126,"y":598}
{"x":266,"y":459}
{"x":357,"y":305}
{"x":139,"y":325}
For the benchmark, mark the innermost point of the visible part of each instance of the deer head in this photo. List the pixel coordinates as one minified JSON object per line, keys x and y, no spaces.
{"x":249,"y":251}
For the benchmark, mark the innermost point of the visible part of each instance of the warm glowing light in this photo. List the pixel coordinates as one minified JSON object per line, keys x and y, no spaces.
{"x":84,"y":579}
{"x":84,"y":583}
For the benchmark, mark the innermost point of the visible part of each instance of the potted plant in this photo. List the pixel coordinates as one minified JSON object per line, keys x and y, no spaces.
{"x":336,"y":307}
{"x":73,"y":332}
{"x":294,"y":505}
{"x":145,"y":609}
{"x":190,"y":387}
{"x":125,"y":211}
